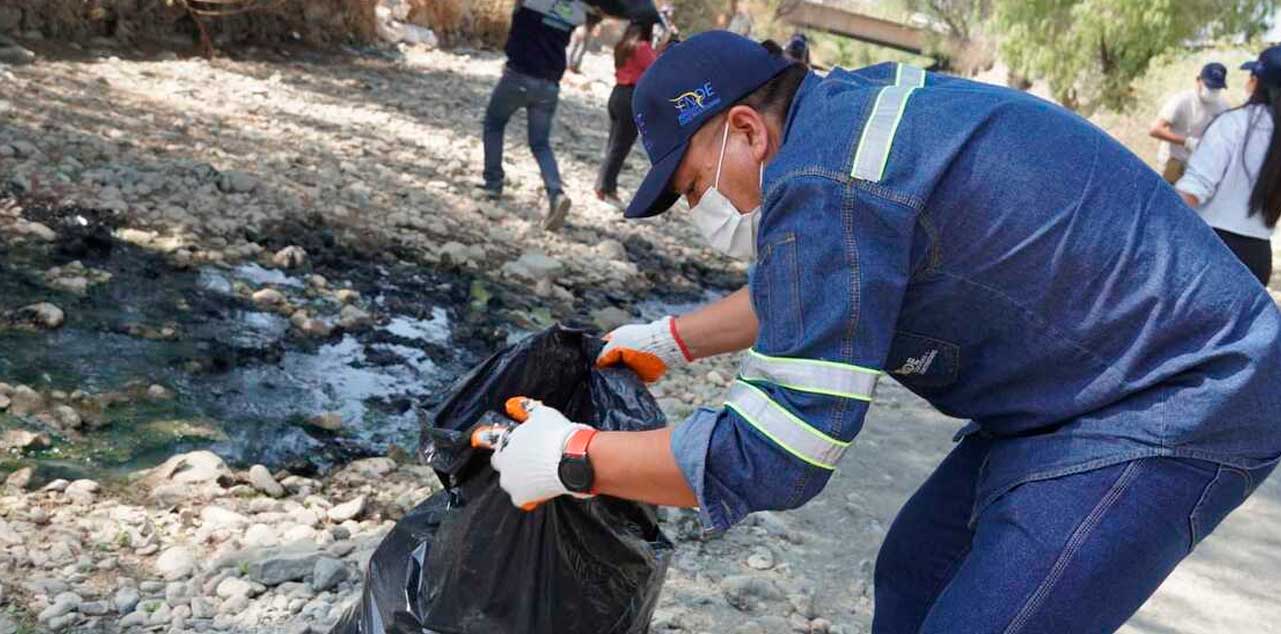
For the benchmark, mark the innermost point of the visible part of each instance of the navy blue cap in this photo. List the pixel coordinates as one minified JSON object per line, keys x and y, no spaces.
{"x":1214,"y":75}
{"x":1268,"y":67}
{"x":686,"y":86}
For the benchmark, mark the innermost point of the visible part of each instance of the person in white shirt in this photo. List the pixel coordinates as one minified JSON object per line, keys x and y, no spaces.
{"x":1233,"y":179}
{"x":1184,"y":117}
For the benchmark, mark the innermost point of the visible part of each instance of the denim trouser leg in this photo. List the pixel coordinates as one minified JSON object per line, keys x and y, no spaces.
{"x":622,"y":135}
{"x":541,"y":111}
{"x":1079,"y":553}
{"x":508,"y":97}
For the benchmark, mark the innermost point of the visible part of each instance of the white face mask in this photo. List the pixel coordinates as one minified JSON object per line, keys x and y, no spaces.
{"x":1207,"y":95}
{"x":724,"y":227}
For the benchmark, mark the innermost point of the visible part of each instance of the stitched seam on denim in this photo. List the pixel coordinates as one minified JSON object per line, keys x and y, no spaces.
{"x":1194,"y":531}
{"x":849,"y":244}
{"x":1092,"y":465}
{"x":934,"y":258}
{"x":1047,"y":325}
{"x":1078,"y":538}
{"x":803,"y":172}
{"x":892,"y":195}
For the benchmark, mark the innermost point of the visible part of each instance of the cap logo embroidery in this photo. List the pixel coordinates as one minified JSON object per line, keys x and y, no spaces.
{"x":694,"y":102}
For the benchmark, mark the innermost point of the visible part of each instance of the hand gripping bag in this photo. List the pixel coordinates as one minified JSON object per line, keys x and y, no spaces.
{"x":465,"y":561}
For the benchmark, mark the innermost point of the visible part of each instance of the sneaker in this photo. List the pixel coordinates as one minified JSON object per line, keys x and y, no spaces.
{"x":612,"y":200}
{"x":488,"y":192}
{"x":557,"y":209}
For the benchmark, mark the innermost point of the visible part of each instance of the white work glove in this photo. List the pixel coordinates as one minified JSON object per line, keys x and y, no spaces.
{"x":650,"y":349}
{"x":529,"y":460}
{"x":1190,"y":143}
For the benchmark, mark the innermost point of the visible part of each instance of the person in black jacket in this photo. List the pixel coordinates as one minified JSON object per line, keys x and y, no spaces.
{"x":536,"y":61}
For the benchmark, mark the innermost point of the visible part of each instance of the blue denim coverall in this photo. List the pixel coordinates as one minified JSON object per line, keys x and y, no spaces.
{"x":1015,"y":266}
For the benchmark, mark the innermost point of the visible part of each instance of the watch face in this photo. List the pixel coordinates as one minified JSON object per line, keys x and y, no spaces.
{"x":576,"y":474}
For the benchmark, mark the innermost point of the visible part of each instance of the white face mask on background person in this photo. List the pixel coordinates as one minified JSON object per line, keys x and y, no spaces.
{"x":725,"y":228}
{"x":1206,"y":95}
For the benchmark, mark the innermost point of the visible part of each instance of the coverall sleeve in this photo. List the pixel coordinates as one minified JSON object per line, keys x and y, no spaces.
{"x":828,"y":285}
{"x":1209,"y":163}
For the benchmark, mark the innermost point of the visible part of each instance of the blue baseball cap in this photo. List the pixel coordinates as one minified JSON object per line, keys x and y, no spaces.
{"x":1268,"y":67}
{"x":688,"y":85}
{"x":1214,"y":75}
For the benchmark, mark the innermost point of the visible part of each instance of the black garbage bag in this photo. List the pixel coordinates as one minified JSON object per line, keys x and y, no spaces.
{"x":465,"y":561}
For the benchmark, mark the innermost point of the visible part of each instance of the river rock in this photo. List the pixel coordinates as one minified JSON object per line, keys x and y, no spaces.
{"x":159,"y":393}
{"x":66,"y":417}
{"x":260,"y":535}
{"x":762,"y":558}
{"x":347,"y":296}
{"x":347,"y":510}
{"x":25,"y":401}
{"x":42,"y":315}
{"x":533,"y":267}
{"x":14,"y":55}
{"x":19,"y":480}
{"x":234,"y":587}
{"x":197,"y":467}
{"x":289,"y":257}
{"x":276,"y":566}
{"x":329,"y":421}
{"x":176,"y":562}
{"x":352,"y":318}
{"x":125,"y":600}
{"x":328,"y":573}
{"x":749,"y":593}
{"x":23,"y":440}
{"x":613,"y":250}
{"x":235,"y":182}
{"x":216,"y":517}
{"x":82,"y":491}
{"x":368,"y":469}
{"x":269,"y":297}
{"x":262,"y":480}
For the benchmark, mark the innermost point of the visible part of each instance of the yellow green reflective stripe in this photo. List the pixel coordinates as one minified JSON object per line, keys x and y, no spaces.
{"x":792,"y":434}
{"x":878,"y":133}
{"x":818,"y":377}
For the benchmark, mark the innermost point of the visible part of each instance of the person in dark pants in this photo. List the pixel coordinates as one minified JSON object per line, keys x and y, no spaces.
{"x":536,"y":61}
{"x":1233,"y":179}
{"x":632,"y":56}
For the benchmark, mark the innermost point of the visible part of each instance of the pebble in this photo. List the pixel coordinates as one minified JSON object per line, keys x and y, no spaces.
{"x":329,"y":421}
{"x":159,"y":393}
{"x":269,"y":297}
{"x":42,"y":315}
{"x":328,"y":573}
{"x":20,"y":480}
{"x":22,"y":439}
{"x":290,"y":257}
{"x":66,"y":417}
{"x":748,"y":592}
{"x":234,"y":587}
{"x":347,"y":296}
{"x":94,"y":608}
{"x":82,"y":491}
{"x":177,"y":562}
{"x":762,"y":558}
{"x":262,"y":480}
{"x":353,"y":318}
{"x":348,"y":510}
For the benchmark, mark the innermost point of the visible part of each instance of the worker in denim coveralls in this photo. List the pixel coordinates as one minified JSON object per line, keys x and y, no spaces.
{"x":995,"y":254}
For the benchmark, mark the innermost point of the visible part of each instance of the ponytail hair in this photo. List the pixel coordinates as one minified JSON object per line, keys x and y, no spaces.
{"x":1266,"y":197}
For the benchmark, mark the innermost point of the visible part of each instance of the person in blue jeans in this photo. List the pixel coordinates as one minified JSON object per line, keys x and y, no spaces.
{"x":994,"y":253}
{"x":536,"y":61}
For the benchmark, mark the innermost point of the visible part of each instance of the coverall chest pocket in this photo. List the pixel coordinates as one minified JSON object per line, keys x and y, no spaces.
{"x":921,"y":361}
{"x":777,"y":296}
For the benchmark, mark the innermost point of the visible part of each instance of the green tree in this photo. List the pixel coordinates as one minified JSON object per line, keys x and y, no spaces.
{"x":1091,"y":51}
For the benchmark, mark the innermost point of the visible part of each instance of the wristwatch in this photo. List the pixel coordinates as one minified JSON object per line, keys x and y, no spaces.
{"x":575,"y":468}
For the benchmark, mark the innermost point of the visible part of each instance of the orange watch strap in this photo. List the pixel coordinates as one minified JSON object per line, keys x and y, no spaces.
{"x":578,"y":441}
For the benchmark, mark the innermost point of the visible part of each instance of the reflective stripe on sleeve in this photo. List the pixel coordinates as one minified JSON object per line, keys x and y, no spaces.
{"x":878,"y":133}
{"x":783,"y":427}
{"x":817,"y":377}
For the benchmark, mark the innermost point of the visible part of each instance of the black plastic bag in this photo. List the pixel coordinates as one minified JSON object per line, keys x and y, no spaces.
{"x":466,"y":561}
